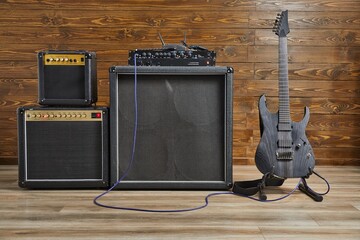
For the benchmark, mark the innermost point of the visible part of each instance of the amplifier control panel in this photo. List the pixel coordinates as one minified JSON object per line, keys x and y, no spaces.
{"x":64,"y":59}
{"x":63,"y":115}
{"x":172,"y":57}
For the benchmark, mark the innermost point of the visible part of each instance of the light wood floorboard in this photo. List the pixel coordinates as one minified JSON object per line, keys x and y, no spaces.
{"x":70,"y":214}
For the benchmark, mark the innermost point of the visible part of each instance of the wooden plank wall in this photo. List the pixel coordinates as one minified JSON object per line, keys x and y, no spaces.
{"x":324,"y":58}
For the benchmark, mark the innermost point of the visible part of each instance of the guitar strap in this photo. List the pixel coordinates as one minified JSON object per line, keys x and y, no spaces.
{"x":249,"y":188}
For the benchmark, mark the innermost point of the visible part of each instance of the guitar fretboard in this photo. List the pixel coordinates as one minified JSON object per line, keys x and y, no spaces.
{"x":284,"y":103}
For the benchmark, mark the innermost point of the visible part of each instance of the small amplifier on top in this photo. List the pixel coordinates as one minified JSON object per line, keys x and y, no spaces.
{"x":67,"y":78}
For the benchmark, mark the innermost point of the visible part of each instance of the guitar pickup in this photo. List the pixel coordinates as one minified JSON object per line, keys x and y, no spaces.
{"x":284,"y":154}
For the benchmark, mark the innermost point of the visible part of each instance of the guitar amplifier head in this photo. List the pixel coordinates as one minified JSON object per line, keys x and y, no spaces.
{"x":63,"y":147}
{"x":67,"y":78}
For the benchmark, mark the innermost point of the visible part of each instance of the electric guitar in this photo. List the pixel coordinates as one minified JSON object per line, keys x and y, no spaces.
{"x":284,"y":150}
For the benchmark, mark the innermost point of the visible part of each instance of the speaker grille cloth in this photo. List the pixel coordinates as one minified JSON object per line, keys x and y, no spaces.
{"x":180,"y":127}
{"x":64,"y":82}
{"x":64,"y":150}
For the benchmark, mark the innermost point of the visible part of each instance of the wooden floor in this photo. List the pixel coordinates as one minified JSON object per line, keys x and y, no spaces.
{"x":65,"y":214}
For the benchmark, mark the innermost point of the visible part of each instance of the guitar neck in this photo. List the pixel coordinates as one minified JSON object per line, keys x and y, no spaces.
{"x":284,"y":102}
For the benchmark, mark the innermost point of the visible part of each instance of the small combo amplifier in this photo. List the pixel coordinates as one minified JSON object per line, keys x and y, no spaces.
{"x":63,"y":147}
{"x":67,"y":78}
{"x":184,"y":127}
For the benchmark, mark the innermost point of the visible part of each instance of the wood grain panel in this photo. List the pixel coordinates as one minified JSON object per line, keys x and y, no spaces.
{"x":300,"y":88}
{"x":342,"y":138}
{"x":129,"y":35}
{"x":126,"y":5}
{"x":301,"y":37}
{"x":307,"y":71}
{"x":311,"y":5}
{"x":8,"y":119}
{"x":324,"y":58}
{"x":118,"y":56}
{"x":113,"y":19}
{"x":11,"y":103}
{"x":326,"y":106}
{"x":315,"y":20}
{"x":318,"y":122}
{"x":306,"y":54}
{"x":323,"y":156}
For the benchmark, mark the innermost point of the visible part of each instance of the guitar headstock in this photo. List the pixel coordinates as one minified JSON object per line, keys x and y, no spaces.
{"x":281,"y":25}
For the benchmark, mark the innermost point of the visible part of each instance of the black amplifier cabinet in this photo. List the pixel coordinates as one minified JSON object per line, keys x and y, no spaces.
{"x":63,"y":147}
{"x":67,"y":78}
{"x":184,"y":130}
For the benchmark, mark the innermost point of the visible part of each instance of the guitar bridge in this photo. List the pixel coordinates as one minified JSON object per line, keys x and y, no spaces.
{"x":284,"y":154}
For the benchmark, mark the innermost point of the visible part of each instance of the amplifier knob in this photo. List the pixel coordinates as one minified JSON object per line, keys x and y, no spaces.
{"x":51,"y":115}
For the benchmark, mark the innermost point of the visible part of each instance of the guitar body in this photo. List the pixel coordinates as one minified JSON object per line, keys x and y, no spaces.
{"x":302,"y":160}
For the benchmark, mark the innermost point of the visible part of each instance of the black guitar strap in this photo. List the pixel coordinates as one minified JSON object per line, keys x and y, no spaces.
{"x":249,"y":188}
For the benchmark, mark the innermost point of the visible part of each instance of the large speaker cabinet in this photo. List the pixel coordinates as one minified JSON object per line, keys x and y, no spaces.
{"x":63,"y":147}
{"x":184,"y":130}
{"x":67,"y":78}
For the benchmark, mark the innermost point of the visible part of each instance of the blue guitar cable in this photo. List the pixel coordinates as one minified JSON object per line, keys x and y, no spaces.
{"x":96,"y":199}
